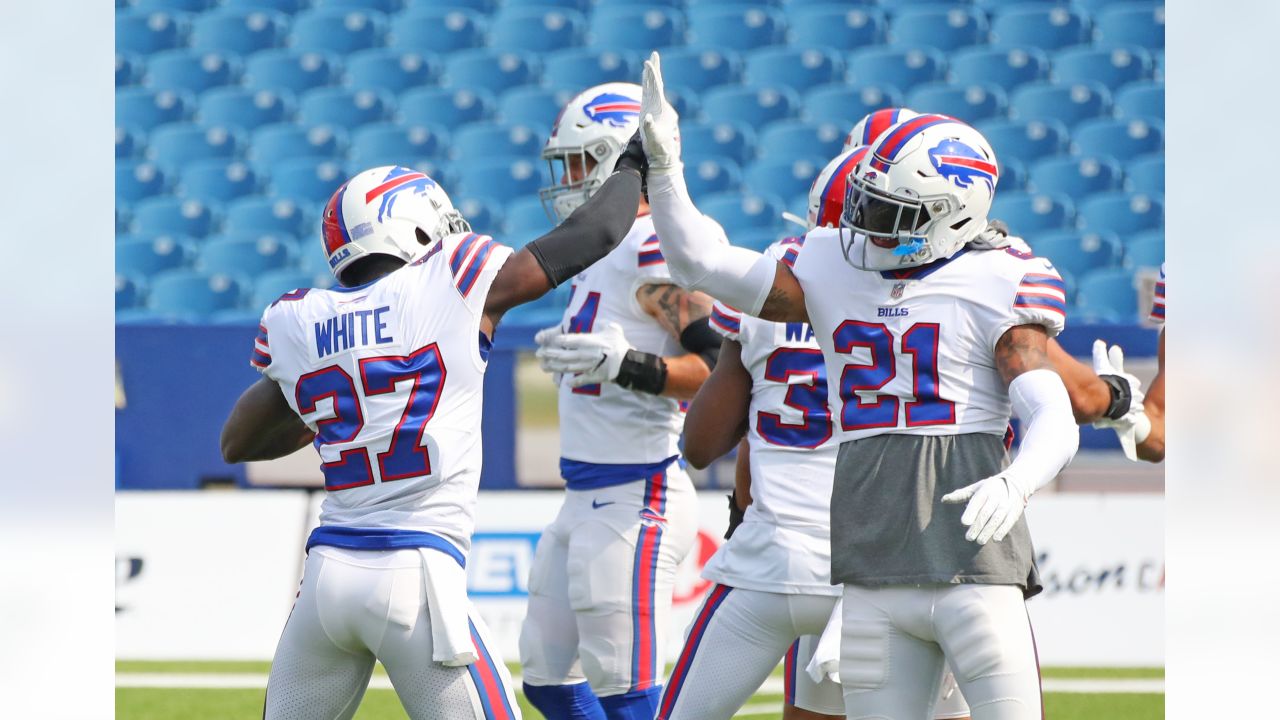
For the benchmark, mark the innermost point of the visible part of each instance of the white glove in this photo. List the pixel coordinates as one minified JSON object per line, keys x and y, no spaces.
{"x":659,"y":124}
{"x":1134,"y":426}
{"x":593,"y":357}
{"x":995,"y":504}
{"x":543,"y":338}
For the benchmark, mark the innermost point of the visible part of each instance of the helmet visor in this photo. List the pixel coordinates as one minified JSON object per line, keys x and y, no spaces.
{"x":570,"y":170}
{"x":878,"y":214}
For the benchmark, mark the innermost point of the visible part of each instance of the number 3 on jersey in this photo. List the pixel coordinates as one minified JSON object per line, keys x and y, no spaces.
{"x":809,"y":398}
{"x":920,"y":341}
{"x":413,"y":381}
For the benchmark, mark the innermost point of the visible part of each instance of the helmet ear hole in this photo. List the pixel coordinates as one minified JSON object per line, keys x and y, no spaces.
{"x":423,"y":238}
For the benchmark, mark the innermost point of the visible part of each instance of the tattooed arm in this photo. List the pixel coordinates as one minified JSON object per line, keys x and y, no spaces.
{"x":676,"y":309}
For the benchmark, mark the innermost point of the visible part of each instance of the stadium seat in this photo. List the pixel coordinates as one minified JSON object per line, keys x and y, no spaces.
{"x":191,"y":294}
{"x":216,"y":181}
{"x":755,"y":106}
{"x":543,"y":312}
{"x":283,"y":141}
{"x":526,"y":220}
{"x":1013,"y":174}
{"x":700,"y":68}
{"x":1077,"y":176}
{"x":289,"y":7}
{"x":903,"y":68}
{"x":141,"y":109}
{"x":1027,"y":141}
{"x":532,"y":106}
{"x":847,"y":104}
{"x":971,"y":103}
{"x":1044,"y":26}
{"x":343,"y":108}
{"x":129,"y":69}
{"x":148,"y":32}
{"x":1143,"y":99}
{"x":129,"y":291}
{"x":267,"y":215}
{"x":436,"y":30}
{"x":124,"y":218}
{"x":799,"y":69}
{"x":382,"y":6}
{"x":1068,"y":104}
{"x":536,"y":29}
{"x":287,"y":70}
{"x":736,"y":28}
{"x":137,"y":179}
{"x":270,"y":285}
{"x":738,"y":211}
{"x":1145,"y":250}
{"x":143,"y":257}
{"x":501,"y":180}
{"x":127,"y":144}
{"x":733,"y":140}
{"x":637,"y":28}
{"x":242,"y":109}
{"x":488,"y":70}
{"x":184,"y":70}
{"x":245,"y":255}
{"x":336,"y":31}
{"x":760,"y":240}
{"x":174,"y":146}
{"x":238,"y":32}
{"x":900,"y":5}
{"x":444,"y":107}
{"x":712,"y":175}
{"x":578,"y":5}
{"x":1006,"y":67}
{"x":784,"y":177}
{"x":1079,"y":252}
{"x":1137,"y":23}
{"x":1122,"y":213}
{"x":307,"y":181}
{"x":1114,"y":67}
{"x":391,"y":70}
{"x":1028,"y":214}
{"x":836,"y":26}
{"x":173,"y":216}
{"x":496,"y":140}
{"x":576,"y":69}
{"x":1146,"y":174}
{"x":609,"y":4}
{"x":485,"y":216}
{"x":380,"y":140}
{"x":1121,"y":139}
{"x":1109,"y":290}
{"x":173,"y":6}
{"x":480,"y":6}
{"x":792,"y":139}
{"x":945,"y":28}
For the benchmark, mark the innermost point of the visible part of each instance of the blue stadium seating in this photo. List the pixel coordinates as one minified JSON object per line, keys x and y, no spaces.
{"x":790,"y":139}
{"x":337,"y":30}
{"x":637,"y":28}
{"x":124,"y":218}
{"x":902,"y":67}
{"x":480,"y":6}
{"x":216,"y":181}
{"x":753,"y":106}
{"x":1027,"y":141}
{"x":700,"y":68}
{"x":1122,"y":213}
{"x":391,"y":70}
{"x":129,"y":291}
{"x":312,"y":258}
{"x":501,"y":180}
{"x":184,"y":70}
{"x":288,"y":70}
{"x":945,"y":28}
{"x":137,"y":179}
{"x":1109,"y":290}
{"x":187,"y":293}
{"x":760,"y":239}
{"x":343,"y":108}
{"x":578,"y":5}
{"x":712,"y":175}
{"x":1047,"y":27}
{"x":837,"y":27}
{"x":267,"y":215}
{"x":737,"y":211}
{"x":371,"y":143}
{"x":437,"y":30}
{"x":1079,"y":252}
{"x":784,"y":177}
{"x":899,"y":5}
{"x":1121,"y":139}
{"x":1068,"y":104}
{"x":283,"y":141}
{"x":307,"y":181}
{"x":270,"y":285}
{"x":1077,"y":176}
{"x":972,"y":103}
{"x":737,"y":28}
{"x":1007,"y":67}
{"x":533,"y":106}
{"x":174,"y":145}
{"x":383,"y":6}
{"x":485,"y":216}
{"x":847,"y":104}
{"x":190,"y":6}
{"x":536,"y":29}
{"x":1143,"y":99}
{"x":1114,"y":67}
{"x":129,"y":69}
{"x":576,"y":69}
{"x":1013,"y":174}
{"x":284,"y":6}
{"x":1138,"y":23}
{"x":685,"y":101}
{"x":173,"y":216}
{"x":1145,"y":250}
{"x":245,"y":255}
{"x":127,"y":144}
{"x":1146,"y":174}
{"x":149,"y":32}
{"x":238,"y":32}
{"x":733,"y":140}
{"x":610,"y":4}
{"x":800,"y":69}
{"x":1029,"y":213}
{"x":444,"y":107}
{"x":496,"y":140}
{"x":526,"y":219}
{"x":141,"y":257}
{"x":242,"y":109}
{"x":489,"y":70}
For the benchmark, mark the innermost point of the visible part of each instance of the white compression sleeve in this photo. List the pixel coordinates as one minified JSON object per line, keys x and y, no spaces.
{"x":697,"y":253}
{"x":1050,"y":436}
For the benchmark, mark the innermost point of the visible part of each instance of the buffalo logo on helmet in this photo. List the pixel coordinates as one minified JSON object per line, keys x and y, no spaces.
{"x":962,"y":164}
{"x":397,"y":182}
{"x":612,"y":109}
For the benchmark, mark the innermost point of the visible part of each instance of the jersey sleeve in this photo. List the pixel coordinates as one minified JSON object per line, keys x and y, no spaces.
{"x":726,"y":320}
{"x":473,"y":261}
{"x":260,"y":358}
{"x":1039,"y":298}
{"x":650,"y":265}
{"x":1157,"y":303}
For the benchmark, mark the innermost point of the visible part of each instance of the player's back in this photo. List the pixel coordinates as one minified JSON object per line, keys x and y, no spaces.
{"x":390,"y":376}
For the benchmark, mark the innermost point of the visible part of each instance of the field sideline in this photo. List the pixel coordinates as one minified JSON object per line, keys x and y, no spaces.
{"x":229,"y":690}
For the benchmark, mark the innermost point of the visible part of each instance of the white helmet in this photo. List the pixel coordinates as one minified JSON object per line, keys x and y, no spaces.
{"x":873,"y":125}
{"x":597,"y":123}
{"x":927,"y":186}
{"x":827,"y":194}
{"x":388,"y":210}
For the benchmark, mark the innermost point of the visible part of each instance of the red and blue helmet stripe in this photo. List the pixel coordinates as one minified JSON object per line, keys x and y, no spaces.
{"x":875,"y":124}
{"x":831,"y":204}
{"x":888,"y":147}
{"x":333,"y":227}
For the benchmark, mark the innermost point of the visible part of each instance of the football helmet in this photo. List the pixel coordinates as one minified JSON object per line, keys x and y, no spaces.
{"x":595,"y":124}
{"x":388,"y":210}
{"x":924,"y":189}
{"x":873,"y":125}
{"x":827,"y":194}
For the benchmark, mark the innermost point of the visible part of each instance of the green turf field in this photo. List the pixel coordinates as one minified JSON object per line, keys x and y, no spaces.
{"x":138,"y":703}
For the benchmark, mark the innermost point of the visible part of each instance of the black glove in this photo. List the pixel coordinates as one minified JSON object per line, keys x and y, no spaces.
{"x":633,"y":157}
{"x":1121,"y":396}
{"x":735,"y":515}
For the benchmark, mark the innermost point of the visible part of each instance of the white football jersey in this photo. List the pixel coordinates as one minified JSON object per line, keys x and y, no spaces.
{"x":912,"y":351}
{"x":390,"y":375}
{"x":1157,"y":302}
{"x":606,"y":423}
{"x":784,"y":542}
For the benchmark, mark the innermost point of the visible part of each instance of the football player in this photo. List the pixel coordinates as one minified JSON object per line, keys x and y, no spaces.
{"x":932,"y":329}
{"x":384,"y":374}
{"x":1141,"y":431}
{"x":631,"y":347}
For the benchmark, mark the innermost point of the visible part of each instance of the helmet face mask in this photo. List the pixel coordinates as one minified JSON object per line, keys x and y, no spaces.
{"x":589,"y":135}
{"x":578,"y":172}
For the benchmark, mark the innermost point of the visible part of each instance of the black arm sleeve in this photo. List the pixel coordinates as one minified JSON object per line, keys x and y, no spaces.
{"x":592,"y":230}
{"x":699,"y":339}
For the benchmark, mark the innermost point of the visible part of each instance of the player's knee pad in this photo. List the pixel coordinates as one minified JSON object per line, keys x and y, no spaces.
{"x":634,"y":705}
{"x":565,"y":702}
